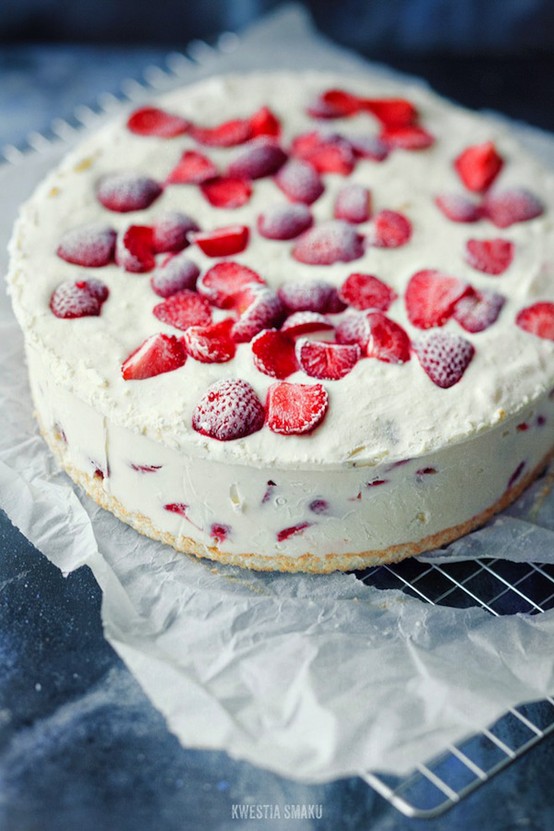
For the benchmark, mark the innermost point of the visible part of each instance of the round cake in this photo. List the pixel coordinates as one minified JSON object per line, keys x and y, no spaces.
{"x":293,"y":321}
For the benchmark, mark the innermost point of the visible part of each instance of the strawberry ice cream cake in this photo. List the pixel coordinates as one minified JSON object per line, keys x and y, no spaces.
{"x":293,"y":321}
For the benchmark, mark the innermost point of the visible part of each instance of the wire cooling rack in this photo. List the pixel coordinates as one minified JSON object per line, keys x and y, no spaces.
{"x":500,"y":587}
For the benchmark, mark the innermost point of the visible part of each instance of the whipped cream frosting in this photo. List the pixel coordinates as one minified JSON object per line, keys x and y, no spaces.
{"x":379,"y":412}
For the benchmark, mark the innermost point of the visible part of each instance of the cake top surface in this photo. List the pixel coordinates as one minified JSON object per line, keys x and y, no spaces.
{"x":419,"y":245}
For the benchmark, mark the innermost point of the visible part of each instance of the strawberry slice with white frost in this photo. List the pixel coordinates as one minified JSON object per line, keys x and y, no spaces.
{"x":157,"y":355}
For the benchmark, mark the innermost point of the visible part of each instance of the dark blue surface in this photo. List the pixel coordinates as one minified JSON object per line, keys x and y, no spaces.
{"x":80,"y":745}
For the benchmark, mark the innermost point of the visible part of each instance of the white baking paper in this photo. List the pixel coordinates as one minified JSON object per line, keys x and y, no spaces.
{"x":313,"y":677}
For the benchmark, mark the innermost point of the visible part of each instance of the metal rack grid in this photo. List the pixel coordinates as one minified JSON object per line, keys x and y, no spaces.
{"x":500,"y":587}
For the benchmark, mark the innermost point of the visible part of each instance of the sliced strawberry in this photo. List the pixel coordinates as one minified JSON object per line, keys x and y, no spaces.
{"x":283,"y":222}
{"x":491,"y":256}
{"x":478,"y":166}
{"x":228,"y":134}
{"x":229,"y":409}
{"x":292,"y":531}
{"x":156,"y":355}
{"x":274,"y":353}
{"x":225,"y":281}
{"x":264,"y":311}
{"x":145,"y":468}
{"x":444,"y":357}
{"x":82,"y":298}
{"x":431,"y":297}
{"x":537,"y":319}
{"x":478,"y":310}
{"x":219,"y":532}
{"x":392,"y":112}
{"x":506,"y":207}
{"x":294,"y":409}
{"x":334,"y":103}
{"x":222,"y":242}
{"x":184,"y":309}
{"x":458,"y":208}
{"x":265,"y":123}
{"x":364,"y":291}
{"x":410,"y":137}
{"x":390,"y":230}
{"x":227,"y":191}
{"x":328,"y":243}
{"x":353,"y":204}
{"x":260,"y":157}
{"x":171,"y":232}
{"x":324,"y":360}
{"x":388,"y":341}
{"x":368,"y":146}
{"x":210,"y":344}
{"x":306,"y":295}
{"x":92,"y":245}
{"x":299,"y":181}
{"x":175,"y":274}
{"x":353,"y":327}
{"x":134,"y":250}
{"x":328,"y":154}
{"x":193,"y":168}
{"x":301,"y":323}
{"x":335,"y":304}
{"x":151,"y":121}
{"x":124,"y":192}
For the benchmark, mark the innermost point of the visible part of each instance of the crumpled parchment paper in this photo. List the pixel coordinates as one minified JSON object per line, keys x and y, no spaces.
{"x":313,"y":677}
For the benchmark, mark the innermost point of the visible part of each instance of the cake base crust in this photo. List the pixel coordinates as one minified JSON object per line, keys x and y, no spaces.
{"x":308,"y":562}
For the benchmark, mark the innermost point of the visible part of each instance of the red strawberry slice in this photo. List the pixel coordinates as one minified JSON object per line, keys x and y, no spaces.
{"x":411,"y":137}
{"x":222,"y":242}
{"x":294,"y":409}
{"x":353,"y":204}
{"x":334,"y":103}
{"x":274,"y":353}
{"x":444,"y":357}
{"x":184,"y":309}
{"x":479,"y":310}
{"x":175,"y":274}
{"x":226,"y":191}
{"x":283,"y":222}
{"x":229,"y":409}
{"x":151,"y":121}
{"x":82,"y":298}
{"x":265,"y":123}
{"x":390,"y":230}
{"x":306,"y":295}
{"x":210,"y":344}
{"x":393,"y":112}
{"x":292,"y":531}
{"x":353,"y":328}
{"x":491,"y":256}
{"x":124,"y":192}
{"x":260,"y":157}
{"x":364,"y":291}
{"x":228,"y":134}
{"x":92,"y":245}
{"x":264,"y":311}
{"x":299,"y":181}
{"x":331,"y":154}
{"x":134,"y":250}
{"x":431,"y":297}
{"x":370,"y":147}
{"x":224,"y":282}
{"x":506,"y":207}
{"x":537,"y":319}
{"x":478,"y":166}
{"x":156,"y":355}
{"x":301,"y":323}
{"x":171,"y":232}
{"x":323,"y":360}
{"x":328,"y":243}
{"x":458,"y":208}
{"x":193,"y":168}
{"x":388,"y":341}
